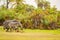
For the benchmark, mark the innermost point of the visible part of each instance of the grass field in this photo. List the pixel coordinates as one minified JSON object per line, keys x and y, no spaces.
{"x":29,"y":34}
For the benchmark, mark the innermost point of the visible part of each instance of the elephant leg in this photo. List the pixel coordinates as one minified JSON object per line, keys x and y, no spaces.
{"x":11,"y":29}
{"x":16,"y":29}
{"x":7,"y":29}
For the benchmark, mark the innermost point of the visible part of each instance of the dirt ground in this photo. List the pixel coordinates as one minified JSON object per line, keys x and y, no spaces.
{"x":28,"y":36}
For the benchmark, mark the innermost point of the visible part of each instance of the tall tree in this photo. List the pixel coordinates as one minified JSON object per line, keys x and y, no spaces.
{"x":46,"y":5}
{"x":7,"y":1}
{"x":39,"y":3}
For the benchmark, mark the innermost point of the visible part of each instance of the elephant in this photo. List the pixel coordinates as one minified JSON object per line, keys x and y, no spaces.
{"x":10,"y":25}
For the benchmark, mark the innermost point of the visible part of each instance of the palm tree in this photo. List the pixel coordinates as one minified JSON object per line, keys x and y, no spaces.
{"x":17,"y":2}
{"x":46,"y":4}
{"x":39,"y":3}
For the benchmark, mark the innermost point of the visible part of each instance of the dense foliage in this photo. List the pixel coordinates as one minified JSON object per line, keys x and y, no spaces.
{"x":43,"y":17}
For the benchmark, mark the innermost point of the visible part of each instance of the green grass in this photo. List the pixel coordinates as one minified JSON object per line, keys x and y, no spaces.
{"x":29,"y":34}
{"x":43,"y":31}
{"x":37,"y":31}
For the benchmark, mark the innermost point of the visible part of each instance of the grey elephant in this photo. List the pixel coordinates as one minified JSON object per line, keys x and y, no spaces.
{"x":10,"y":25}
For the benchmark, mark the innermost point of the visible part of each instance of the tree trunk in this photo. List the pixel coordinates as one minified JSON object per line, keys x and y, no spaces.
{"x":7,"y":3}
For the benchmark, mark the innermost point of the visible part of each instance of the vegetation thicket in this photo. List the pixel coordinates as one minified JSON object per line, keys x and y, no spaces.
{"x":42,"y":17}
